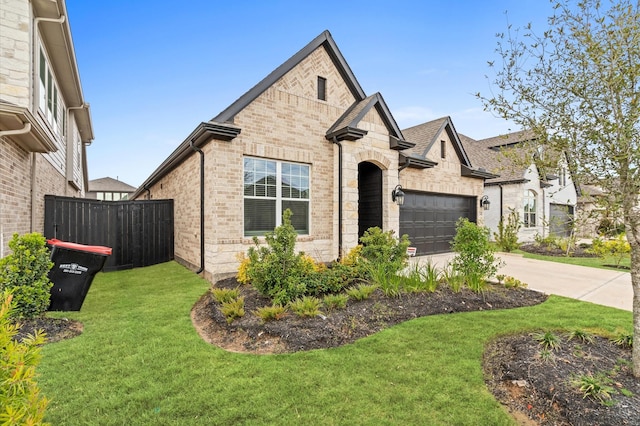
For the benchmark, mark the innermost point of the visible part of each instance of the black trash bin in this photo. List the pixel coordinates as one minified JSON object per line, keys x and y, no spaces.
{"x":74,"y":266}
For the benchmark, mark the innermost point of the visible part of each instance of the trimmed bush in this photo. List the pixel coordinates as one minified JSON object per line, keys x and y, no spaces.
{"x":24,"y":273}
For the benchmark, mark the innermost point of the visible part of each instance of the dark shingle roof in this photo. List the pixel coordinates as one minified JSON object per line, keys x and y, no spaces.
{"x":486,"y":154}
{"x":426,"y":134}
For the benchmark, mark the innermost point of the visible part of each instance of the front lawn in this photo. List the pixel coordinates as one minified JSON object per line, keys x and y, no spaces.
{"x":140,"y":361}
{"x":593,"y":262}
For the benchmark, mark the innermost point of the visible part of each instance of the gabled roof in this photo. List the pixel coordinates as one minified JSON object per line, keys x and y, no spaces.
{"x":425,"y":136}
{"x":330,"y":46}
{"x":109,"y":184}
{"x":507,"y":140}
{"x":346,"y":127}
{"x":485,"y":154}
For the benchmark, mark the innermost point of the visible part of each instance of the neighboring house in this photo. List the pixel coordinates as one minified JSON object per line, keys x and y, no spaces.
{"x":45,"y":123}
{"x":109,"y":189}
{"x":308,"y":138}
{"x":544,"y":203}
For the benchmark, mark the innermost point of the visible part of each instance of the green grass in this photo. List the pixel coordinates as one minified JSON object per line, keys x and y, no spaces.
{"x":140,"y":362}
{"x":593,"y":262}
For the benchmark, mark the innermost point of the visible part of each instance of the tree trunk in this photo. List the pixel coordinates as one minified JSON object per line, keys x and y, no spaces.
{"x":635,"y":283}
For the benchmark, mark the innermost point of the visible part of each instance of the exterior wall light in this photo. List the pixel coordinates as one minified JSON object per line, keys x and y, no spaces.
{"x":485,"y":203}
{"x":397,"y":196}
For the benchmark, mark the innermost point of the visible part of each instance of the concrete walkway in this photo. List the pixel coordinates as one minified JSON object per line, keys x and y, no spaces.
{"x":601,"y":286}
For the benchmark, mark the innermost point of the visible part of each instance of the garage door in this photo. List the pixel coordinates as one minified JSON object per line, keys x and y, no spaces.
{"x":560,"y":219}
{"x":430,"y":219}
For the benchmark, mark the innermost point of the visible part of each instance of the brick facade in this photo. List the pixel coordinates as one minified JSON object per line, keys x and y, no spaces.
{"x":286,"y":121}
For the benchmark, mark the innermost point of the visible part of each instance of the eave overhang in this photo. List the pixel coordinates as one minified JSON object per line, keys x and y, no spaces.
{"x":414,"y":162}
{"x":476,"y":173}
{"x":507,"y":182}
{"x":201,"y":135}
{"x":25,"y":129}
{"x":399,"y":144}
{"x":346,"y":133}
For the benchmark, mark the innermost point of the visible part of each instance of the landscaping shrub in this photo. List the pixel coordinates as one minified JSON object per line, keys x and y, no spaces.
{"x":275,"y":270}
{"x":23,"y":273}
{"x":271,"y":313}
{"x":362,"y":292}
{"x":382,"y":248}
{"x":474,"y":258}
{"x":618,"y":248}
{"x":333,"y":279}
{"x":233,"y":309}
{"x":306,"y":306}
{"x":335,"y":301}
{"x":422,"y":278}
{"x":507,"y":235}
{"x":20,"y":399}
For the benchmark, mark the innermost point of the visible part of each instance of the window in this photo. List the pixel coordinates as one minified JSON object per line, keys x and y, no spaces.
{"x":322,"y":88}
{"x":271,"y":187}
{"x":443,"y":149}
{"x":562,"y":176}
{"x":529,"y":209}
{"x":49,"y":98}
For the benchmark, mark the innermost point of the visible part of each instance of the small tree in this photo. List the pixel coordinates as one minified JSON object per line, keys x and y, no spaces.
{"x":507,"y":235}
{"x":24,"y":273}
{"x":474,"y":258}
{"x":275,"y":270}
{"x":576,"y":86}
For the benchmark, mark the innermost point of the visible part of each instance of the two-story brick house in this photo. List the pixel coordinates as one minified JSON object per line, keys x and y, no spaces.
{"x":308,"y":138}
{"x":544,"y":200}
{"x":45,"y":123}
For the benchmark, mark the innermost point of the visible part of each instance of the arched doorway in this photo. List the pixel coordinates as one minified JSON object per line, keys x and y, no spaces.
{"x":369,"y":197}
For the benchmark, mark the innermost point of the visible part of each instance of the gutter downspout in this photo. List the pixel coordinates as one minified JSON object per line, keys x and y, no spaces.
{"x":195,"y":148}
{"x":337,"y":142}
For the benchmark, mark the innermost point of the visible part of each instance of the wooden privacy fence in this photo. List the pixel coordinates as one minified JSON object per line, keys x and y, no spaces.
{"x":139,"y":232}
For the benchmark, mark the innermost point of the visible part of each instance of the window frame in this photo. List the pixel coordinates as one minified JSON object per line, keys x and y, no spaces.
{"x":279,"y":198}
{"x":530,"y":208}
{"x":443,"y":149}
{"x":49,"y":99}
{"x":322,"y":88}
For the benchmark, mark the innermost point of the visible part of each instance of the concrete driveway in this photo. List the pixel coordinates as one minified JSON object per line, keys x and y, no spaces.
{"x":601,"y":286}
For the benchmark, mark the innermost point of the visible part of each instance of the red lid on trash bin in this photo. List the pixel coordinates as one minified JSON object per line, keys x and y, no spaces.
{"x":105,"y":251}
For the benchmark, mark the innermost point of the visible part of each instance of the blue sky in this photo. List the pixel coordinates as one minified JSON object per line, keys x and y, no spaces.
{"x":153,"y":70}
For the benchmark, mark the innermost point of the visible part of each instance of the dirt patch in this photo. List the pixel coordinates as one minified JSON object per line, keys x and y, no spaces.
{"x":549,"y":250}
{"x":539,"y":386}
{"x":341,"y":326}
{"x":56,"y":329}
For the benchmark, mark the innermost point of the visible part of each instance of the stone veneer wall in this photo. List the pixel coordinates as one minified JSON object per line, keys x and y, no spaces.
{"x":15,"y":52}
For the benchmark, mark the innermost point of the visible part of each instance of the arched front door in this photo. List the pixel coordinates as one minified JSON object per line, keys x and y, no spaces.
{"x":369,"y":197}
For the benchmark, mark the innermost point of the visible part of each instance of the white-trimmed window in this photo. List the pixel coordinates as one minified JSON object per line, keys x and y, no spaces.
{"x":271,"y":187}
{"x":49,"y":101}
{"x":530,"y":207}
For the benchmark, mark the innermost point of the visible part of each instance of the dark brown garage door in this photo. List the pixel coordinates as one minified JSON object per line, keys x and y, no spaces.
{"x":430,"y":219}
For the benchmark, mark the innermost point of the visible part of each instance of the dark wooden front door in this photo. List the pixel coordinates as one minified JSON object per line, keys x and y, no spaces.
{"x":369,"y":197}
